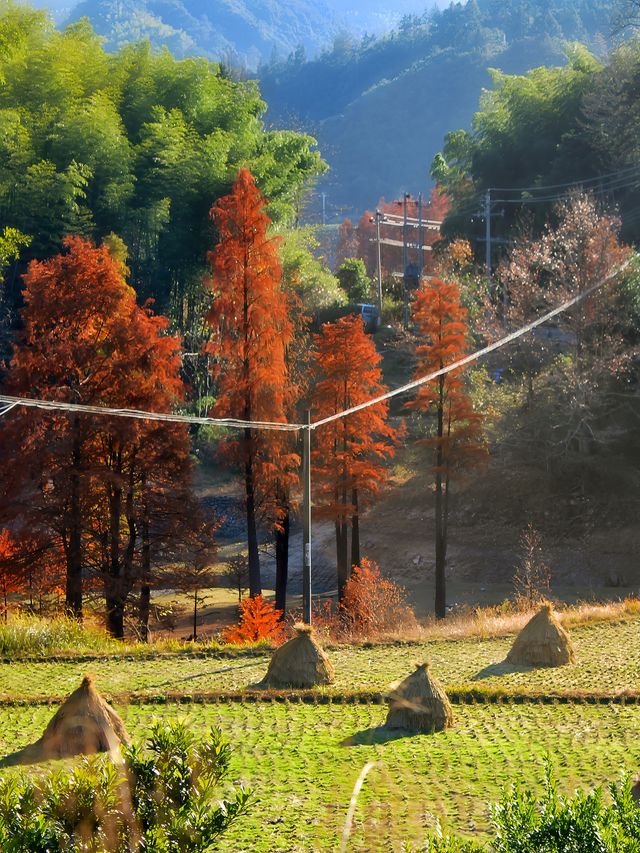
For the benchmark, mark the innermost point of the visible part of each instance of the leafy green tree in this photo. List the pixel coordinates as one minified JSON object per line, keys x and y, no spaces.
{"x":11,"y":241}
{"x":526,"y":132}
{"x":354,"y":280}
{"x":304,"y":274}
{"x":136,"y":143}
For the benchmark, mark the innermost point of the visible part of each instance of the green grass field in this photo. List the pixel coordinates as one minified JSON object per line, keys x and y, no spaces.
{"x":608,"y":661}
{"x":302,"y":759}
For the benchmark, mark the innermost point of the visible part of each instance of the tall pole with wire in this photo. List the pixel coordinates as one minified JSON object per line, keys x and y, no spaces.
{"x":379,"y":215}
{"x":405,"y":263}
{"x":306,"y":522}
{"x":487,"y":232}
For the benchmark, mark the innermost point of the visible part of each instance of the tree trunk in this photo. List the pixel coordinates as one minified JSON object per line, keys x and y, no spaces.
{"x":144,"y":609}
{"x":255,"y":585}
{"x":355,"y":531}
{"x":195,"y":615}
{"x":73,"y":600}
{"x":113,"y":578}
{"x":115,"y":612}
{"x":440,"y":580}
{"x":282,"y":561}
{"x":342,"y":529}
{"x":144,"y":604}
{"x":342,"y":554}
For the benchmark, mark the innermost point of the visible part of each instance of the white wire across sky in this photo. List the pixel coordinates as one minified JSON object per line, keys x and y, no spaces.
{"x":8,"y":403}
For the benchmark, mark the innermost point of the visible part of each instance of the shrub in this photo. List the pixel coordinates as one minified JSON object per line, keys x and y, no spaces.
{"x":33,"y":636}
{"x":160,"y":799}
{"x":259,"y":620}
{"x":522,"y":822}
{"x":372,"y":606}
{"x":532,"y":578}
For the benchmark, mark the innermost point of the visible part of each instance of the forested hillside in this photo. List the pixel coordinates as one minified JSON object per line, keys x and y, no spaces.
{"x":535,"y":134}
{"x":381,"y":107}
{"x":245,"y":32}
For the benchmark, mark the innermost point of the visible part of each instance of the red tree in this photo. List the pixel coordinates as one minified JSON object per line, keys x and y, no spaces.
{"x":251,"y":332}
{"x":359,"y":241}
{"x":457,"y":443}
{"x":350,"y":453}
{"x":88,"y":479}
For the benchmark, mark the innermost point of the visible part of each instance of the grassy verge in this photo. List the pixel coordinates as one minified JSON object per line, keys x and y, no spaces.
{"x":303,"y":762}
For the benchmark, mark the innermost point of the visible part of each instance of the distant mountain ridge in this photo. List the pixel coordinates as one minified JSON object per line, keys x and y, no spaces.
{"x":379,"y":105}
{"x":251,"y":31}
{"x":380,"y":108}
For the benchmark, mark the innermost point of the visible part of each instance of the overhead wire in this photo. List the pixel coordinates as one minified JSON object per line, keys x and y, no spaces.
{"x":236,"y":423}
{"x":468,"y":359}
{"x":577,"y":183}
{"x":614,"y":181}
{"x":139,"y":414}
{"x":598,"y":190}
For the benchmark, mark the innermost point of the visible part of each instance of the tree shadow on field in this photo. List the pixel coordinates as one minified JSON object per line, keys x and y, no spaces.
{"x":497,"y":670}
{"x":376,"y":734}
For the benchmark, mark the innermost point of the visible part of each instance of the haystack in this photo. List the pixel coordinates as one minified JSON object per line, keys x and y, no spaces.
{"x":542,"y":642}
{"x":300,"y":662}
{"x":419,"y":704}
{"x":83,"y":725}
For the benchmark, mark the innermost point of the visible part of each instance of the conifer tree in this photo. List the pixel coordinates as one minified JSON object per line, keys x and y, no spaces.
{"x":457,"y":442}
{"x":81,"y":481}
{"x":350,"y":453}
{"x":251,"y":331}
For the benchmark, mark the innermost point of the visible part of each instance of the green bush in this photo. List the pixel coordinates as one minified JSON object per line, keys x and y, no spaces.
{"x":585,"y":823}
{"x":161,"y":799}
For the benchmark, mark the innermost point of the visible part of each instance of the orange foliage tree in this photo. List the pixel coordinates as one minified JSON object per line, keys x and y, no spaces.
{"x":350,"y":454}
{"x":458,"y":442}
{"x":259,"y":620}
{"x":88,"y":481}
{"x":11,"y":576}
{"x":250,"y":333}
{"x":359,"y":241}
{"x":372,"y":604}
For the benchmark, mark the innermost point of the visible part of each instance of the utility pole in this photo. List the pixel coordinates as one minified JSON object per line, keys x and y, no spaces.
{"x":306,"y":522}
{"x":324,"y":209}
{"x":405,"y":257}
{"x":379,"y":217}
{"x":487,"y":231}
{"x":420,"y":235}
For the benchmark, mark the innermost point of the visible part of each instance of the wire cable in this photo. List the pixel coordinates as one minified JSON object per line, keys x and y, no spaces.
{"x":235,"y":423}
{"x":617,"y":173}
{"x":468,"y":359}
{"x":138,"y":414}
{"x":6,"y":409}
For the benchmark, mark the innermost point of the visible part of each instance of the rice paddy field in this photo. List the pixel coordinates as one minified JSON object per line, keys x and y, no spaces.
{"x":302,"y":754}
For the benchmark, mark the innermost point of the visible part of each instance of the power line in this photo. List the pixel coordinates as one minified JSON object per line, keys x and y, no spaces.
{"x":468,"y":359}
{"x":619,"y":180}
{"x":601,"y":190}
{"x":6,"y":409}
{"x":138,"y":414}
{"x":236,"y":423}
{"x":619,"y":172}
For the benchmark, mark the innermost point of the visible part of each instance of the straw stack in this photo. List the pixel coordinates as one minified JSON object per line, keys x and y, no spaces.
{"x":542,"y":642}
{"x":83,"y":725}
{"x":300,"y":662}
{"x":419,"y":704}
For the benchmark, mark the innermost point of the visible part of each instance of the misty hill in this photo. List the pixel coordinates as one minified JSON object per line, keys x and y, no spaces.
{"x":380,"y":107}
{"x":250,"y":31}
